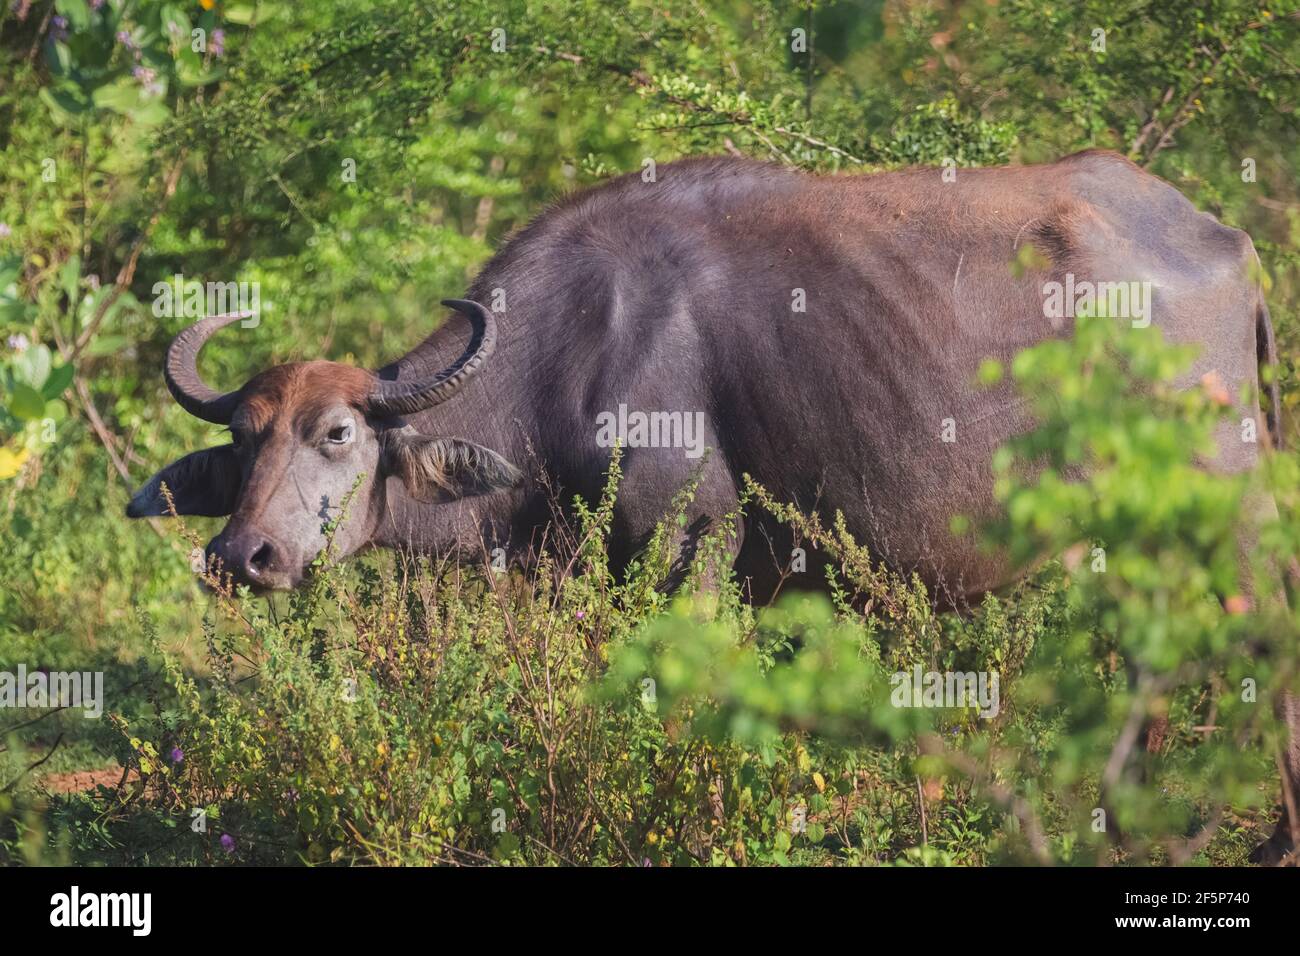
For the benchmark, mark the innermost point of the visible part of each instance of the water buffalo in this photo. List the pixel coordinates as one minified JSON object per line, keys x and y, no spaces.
{"x":820,"y":333}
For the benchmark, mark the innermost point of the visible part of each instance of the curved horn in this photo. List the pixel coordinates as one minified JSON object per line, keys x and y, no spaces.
{"x":182,"y":374}
{"x":415,"y":395}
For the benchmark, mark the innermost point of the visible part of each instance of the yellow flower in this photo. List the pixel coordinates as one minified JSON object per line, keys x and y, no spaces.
{"x":207,"y":4}
{"x":11,"y":462}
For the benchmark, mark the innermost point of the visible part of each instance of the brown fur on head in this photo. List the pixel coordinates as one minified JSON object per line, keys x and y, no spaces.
{"x":302,"y":390}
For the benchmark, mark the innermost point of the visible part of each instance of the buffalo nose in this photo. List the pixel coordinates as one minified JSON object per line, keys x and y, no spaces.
{"x":259,"y":560}
{"x":249,"y":558}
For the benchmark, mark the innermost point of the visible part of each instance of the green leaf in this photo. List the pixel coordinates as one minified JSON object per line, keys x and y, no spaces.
{"x":56,"y":410}
{"x":32,"y":366}
{"x":12,"y":311}
{"x":106,"y":345}
{"x":122,"y":96}
{"x":194,"y":75}
{"x":69,"y":277}
{"x":65,"y":103}
{"x":174,"y":15}
{"x":10,"y":267}
{"x":507,"y":845}
{"x":26,"y":403}
{"x":990,"y":372}
{"x":241,"y":13}
{"x":151,"y":114}
{"x":60,"y":378}
{"x":59,"y":58}
{"x":77,"y":12}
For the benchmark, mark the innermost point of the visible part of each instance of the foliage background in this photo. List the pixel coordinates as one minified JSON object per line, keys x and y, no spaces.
{"x":126,"y":156}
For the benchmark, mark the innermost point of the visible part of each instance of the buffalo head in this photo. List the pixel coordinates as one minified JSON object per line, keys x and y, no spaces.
{"x":304,"y":436}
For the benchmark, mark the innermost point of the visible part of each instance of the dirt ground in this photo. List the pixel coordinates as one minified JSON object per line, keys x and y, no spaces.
{"x":84,"y":780}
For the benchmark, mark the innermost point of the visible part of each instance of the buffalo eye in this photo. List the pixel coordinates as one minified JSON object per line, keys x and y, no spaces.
{"x":340,"y":434}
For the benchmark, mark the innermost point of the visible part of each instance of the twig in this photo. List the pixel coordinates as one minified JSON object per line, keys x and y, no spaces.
{"x":1183,"y":115}
{"x":920,"y":800}
{"x":820,"y":144}
{"x":40,"y":32}
{"x":5,"y":732}
{"x":1151,"y":124}
{"x":106,"y":439}
{"x":14,"y":782}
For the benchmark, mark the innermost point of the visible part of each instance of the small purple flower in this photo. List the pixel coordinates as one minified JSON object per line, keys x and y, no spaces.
{"x":59,"y":28}
{"x":218,"y":45}
{"x":5,"y":231}
{"x":177,"y":755}
{"x":18,"y":342}
{"x":646,"y":861}
{"x":580,"y":615}
{"x":148,"y":79}
{"x":124,"y":38}
{"x":227,"y":843}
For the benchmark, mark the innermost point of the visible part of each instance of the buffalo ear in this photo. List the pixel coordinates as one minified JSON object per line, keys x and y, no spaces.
{"x":203,"y":483}
{"x":444,"y":469}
